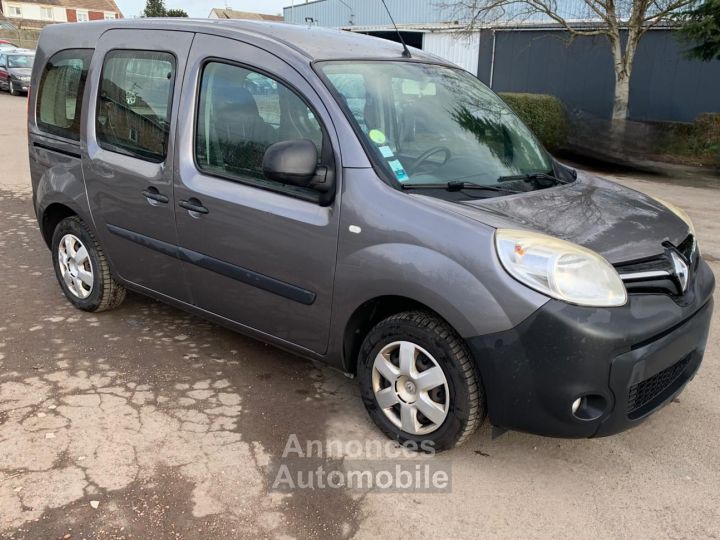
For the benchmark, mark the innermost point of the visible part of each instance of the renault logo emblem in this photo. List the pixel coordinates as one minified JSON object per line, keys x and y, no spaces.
{"x":680,"y":269}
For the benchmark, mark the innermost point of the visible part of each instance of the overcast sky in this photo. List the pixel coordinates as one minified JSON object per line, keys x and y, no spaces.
{"x":201,"y":8}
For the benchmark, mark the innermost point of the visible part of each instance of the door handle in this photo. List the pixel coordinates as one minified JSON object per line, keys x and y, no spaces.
{"x":154,"y":196}
{"x":193,"y":206}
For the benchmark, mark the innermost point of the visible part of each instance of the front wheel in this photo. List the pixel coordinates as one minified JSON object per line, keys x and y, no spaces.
{"x":13,"y":91}
{"x":418,"y":382}
{"x":82,"y":268}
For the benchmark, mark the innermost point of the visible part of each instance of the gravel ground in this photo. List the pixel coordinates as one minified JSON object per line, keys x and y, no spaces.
{"x":146,"y":422}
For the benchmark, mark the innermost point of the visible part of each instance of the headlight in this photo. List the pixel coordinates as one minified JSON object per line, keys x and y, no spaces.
{"x":559,"y":269}
{"x":679,"y":212}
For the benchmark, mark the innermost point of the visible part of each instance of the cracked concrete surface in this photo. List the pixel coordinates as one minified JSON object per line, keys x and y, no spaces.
{"x":78,"y":434}
{"x":172,"y":425}
{"x":150,"y":413}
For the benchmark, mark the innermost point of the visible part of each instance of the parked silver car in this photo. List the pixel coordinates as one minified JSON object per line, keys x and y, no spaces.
{"x":389,"y":215}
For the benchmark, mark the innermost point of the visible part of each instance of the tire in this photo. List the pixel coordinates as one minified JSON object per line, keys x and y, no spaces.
{"x":436,"y":345}
{"x":103,"y":292}
{"x":13,"y":92}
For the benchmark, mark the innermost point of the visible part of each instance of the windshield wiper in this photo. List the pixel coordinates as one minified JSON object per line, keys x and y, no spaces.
{"x":454,"y":185}
{"x":531,"y":177}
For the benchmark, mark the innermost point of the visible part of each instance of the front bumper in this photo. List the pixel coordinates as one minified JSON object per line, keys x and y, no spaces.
{"x":627,"y":362}
{"x":20,"y":85}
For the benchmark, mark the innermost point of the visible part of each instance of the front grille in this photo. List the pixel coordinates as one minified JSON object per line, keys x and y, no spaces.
{"x":645,"y":391}
{"x":659,"y":263}
{"x":657,"y":274}
{"x":688,"y":248}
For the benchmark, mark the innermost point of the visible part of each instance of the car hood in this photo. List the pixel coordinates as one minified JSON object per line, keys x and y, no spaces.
{"x":20,"y":72}
{"x":617,"y":222}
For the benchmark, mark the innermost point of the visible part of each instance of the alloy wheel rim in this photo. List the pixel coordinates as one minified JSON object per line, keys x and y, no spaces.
{"x":410,"y":387}
{"x":75,"y":266}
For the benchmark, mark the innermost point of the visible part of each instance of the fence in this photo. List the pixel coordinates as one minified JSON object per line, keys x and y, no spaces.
{"x":21,"y":37}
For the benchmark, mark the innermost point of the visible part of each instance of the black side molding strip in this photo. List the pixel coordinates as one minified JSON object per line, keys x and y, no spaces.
{"x":158,"y":245}
{"x":57,"y":150}
{"x":238,"y":273}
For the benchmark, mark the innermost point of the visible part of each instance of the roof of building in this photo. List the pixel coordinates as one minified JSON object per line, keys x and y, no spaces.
{"x":48,"y":3}
{"x":227,"y":13}
{"x":92,"y":5}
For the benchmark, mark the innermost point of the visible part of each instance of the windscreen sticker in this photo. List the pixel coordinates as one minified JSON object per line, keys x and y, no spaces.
{"x":386,"y":152}
{"x":377,"y":136}
{"x":398,"y":169}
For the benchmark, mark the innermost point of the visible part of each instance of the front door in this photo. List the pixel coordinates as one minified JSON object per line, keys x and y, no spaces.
{"x":135,"y":80}
{"x":261,"y":254}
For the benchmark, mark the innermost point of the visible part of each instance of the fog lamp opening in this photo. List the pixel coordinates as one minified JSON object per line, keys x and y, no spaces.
{"x":589,"y":407}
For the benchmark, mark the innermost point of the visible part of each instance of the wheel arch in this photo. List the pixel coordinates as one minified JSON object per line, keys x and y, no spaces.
{"x":51,"y":217}
{"x":58,"y":188}
{"x":367,"y":315}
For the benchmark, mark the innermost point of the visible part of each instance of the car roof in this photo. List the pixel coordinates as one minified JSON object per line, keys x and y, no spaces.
{"x":319,"y":43}
{"x":312,"y":42}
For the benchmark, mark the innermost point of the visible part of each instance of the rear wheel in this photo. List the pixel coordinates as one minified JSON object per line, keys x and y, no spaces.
{"x":418,"y":382}
{"x":82,"y":269}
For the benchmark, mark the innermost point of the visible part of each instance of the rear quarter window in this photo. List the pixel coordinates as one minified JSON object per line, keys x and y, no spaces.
{"x":134,"y":103}
{"x":59,"y":104}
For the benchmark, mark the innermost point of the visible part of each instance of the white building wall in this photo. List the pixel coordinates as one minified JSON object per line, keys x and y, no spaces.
{"x":59,"y":14}
{"x":459,"y":48}
{"x":34,"y":11}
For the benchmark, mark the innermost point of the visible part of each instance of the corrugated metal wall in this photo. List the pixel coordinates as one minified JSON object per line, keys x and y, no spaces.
{"x":460,"y":49}
{"x":372,"y":13}
{"x":665,"y":86}
{"x":366,"y":12}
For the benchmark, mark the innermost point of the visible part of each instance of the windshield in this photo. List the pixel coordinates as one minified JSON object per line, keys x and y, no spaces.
{"x":433,"y":124}
{"x":21,"y":60}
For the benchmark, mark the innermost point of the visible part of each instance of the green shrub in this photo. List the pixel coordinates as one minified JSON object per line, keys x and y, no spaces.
{"x":706,"y":135}
{"x":698,"y":142}
{"x":544,"y":114}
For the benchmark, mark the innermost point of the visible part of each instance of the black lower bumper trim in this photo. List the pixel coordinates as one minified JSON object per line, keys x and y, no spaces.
{"x":534,"y":372}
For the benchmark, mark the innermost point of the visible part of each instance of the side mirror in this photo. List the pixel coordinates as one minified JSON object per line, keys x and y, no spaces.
{"x":291,"y":162}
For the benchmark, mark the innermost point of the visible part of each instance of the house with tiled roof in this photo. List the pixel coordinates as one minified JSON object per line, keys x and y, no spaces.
{"x":40,"y":13}
{"x":227,"y":13}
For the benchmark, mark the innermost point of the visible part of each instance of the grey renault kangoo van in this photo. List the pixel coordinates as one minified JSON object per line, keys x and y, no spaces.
{"x":380,"y":211}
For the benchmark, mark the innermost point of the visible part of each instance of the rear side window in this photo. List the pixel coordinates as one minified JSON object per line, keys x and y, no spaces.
{"x":134,"y":103}
{"x":60,"y":96}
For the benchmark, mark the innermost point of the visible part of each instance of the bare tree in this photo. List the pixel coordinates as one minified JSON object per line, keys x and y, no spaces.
{"x":612,"y":16}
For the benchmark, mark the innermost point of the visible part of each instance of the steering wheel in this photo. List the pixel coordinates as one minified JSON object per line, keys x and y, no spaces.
{"x":428,"y":154}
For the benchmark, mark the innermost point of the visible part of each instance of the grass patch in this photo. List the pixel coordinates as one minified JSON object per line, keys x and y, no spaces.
{"x":696,"y":143}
